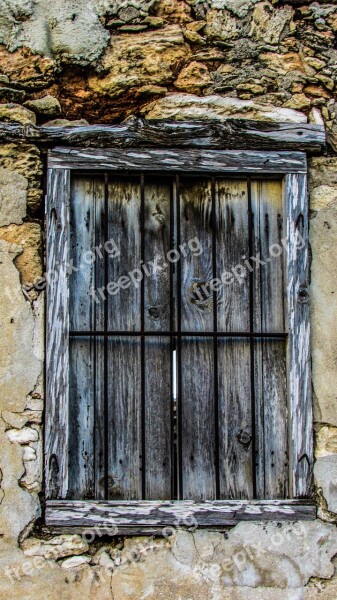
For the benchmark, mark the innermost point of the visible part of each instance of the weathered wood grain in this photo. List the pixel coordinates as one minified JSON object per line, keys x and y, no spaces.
{"x":124,"y":419}
{"x":197,"y":358}
{"x":233,"y":133}
{"x":124,"y":234}
{"x":158,"y":404}
{"x":170,"y":513}
{"x":57,"y":328}
{"x":197,"y":382}
{"x":158,"y":419}
{"x":196,"y":266}
{"x":197,"y":419}
{"x":232,"y":249}
{"x":86,"y":380}
{"x":179,"y":161}
{"x":235,"y":413}
{"x":86,"y":234}
{"x":272,"y":462}
{"x":123,"y":376}
{"x":82,"y":392}
{"x":300,"y":403}
{"x":235,"y":419}
{"x":156,"y":246}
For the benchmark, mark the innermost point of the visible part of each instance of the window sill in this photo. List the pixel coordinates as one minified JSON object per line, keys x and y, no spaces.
{"x":151,"y":516}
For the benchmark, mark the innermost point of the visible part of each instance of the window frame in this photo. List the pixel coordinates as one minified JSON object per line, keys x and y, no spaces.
{"x":148,"y":516}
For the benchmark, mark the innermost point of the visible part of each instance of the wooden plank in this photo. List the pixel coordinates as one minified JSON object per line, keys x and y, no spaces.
{"x":158,"y":405}
{"x":166,"y":513}
{"x":124,"y":419}
{"x":271,"y":402}
{"x":81,"y":420}
{"x":197,"y":419}
{"x":269,"y":235}
{"x":57,"y":327}
{"x":125,"y":244}
{"x":86,"y":234}
{"x":158,"y":418}
{"x":233,"y":133}
{"x":196,"y":265}
{"x":232,"y":249}
{"x":235,"y":419}
{"x":271,"y":428}
{"x":197,"y":360}
{"x":234,"y":395}
{"x":179,"y":161}
{"x":86,"y":381}
{"x":300,"y":402}
{"x":123,"y":377}
{"x":156,"y":246}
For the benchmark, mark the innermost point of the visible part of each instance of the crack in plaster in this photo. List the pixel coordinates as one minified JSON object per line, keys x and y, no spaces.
{"x":2,"y":491}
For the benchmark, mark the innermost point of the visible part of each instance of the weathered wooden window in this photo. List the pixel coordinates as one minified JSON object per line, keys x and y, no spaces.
{"x":177,"y":337}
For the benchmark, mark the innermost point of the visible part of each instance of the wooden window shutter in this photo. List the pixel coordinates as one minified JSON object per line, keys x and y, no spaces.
{"x":236,"y":440}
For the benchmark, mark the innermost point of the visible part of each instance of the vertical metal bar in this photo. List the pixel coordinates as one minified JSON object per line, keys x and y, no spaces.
{"x":94,"y":341}
{"x":142,"y":327}
{"x":178,"y":351}
{"x":172,"y":348}
{"x":106,"y":398}
{"x":252,"y":339}
{"x":215,"y":344}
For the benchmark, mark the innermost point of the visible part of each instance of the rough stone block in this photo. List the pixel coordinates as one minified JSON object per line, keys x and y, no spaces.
{"x":182,"y":107}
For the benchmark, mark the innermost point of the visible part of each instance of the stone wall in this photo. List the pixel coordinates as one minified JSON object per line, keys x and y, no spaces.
{"x":102,"y":61}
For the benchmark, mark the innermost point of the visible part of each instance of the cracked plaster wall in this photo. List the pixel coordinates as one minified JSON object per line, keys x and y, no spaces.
{"x":102,"y":61}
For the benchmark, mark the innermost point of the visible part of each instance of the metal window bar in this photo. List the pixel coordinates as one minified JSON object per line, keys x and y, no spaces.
{"x":178,"y":351}
{"x":215,"y":344}
{"x":174,"y":453}
{"x":142,"y":339}
{"x":106,"y":397}
{"x":178,"y":334}
{"x":251,"y":330}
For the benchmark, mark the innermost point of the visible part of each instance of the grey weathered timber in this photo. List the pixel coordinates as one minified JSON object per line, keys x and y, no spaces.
{"x":232,"y":246}
{"x":235,"y":419}
{"x":57,"y":328}
{"x":170,"y":513}
{"x":233,"y":133}
{"x":131,"y":406}
{"x":179,"y":161}
{"x":197,"y":419}
{"x":300,"y":403}
{"x":235,"y":412}
{"x":269,"y":355}
{"x":196,"y":267}
{"x":158,"y":403}
{"x":158,"y":407}
{"x":124,"y":418}
{"x":123,"y":234}
{"x":156,"y":246}
{"x":197,"y":360}
{"x":123,"y":376}
{"x":86,"y":404}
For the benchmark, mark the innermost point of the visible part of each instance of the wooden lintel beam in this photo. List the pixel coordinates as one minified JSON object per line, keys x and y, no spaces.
{"x":237,"y":134}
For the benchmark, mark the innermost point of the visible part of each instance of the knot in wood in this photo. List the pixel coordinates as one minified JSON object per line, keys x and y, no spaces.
{"x":303,"y":294}
{"x":154,"y":313}
{"x":244,"y":438}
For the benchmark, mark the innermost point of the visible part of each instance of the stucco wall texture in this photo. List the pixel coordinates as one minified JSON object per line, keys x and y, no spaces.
{"x":101,"y":61}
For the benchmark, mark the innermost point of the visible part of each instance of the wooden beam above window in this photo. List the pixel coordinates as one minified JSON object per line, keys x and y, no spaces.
{"x":237,"y":134}
{"x":179,"y":161}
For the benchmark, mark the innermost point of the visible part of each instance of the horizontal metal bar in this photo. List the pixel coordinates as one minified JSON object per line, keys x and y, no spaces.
{"x":247,"y":334}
